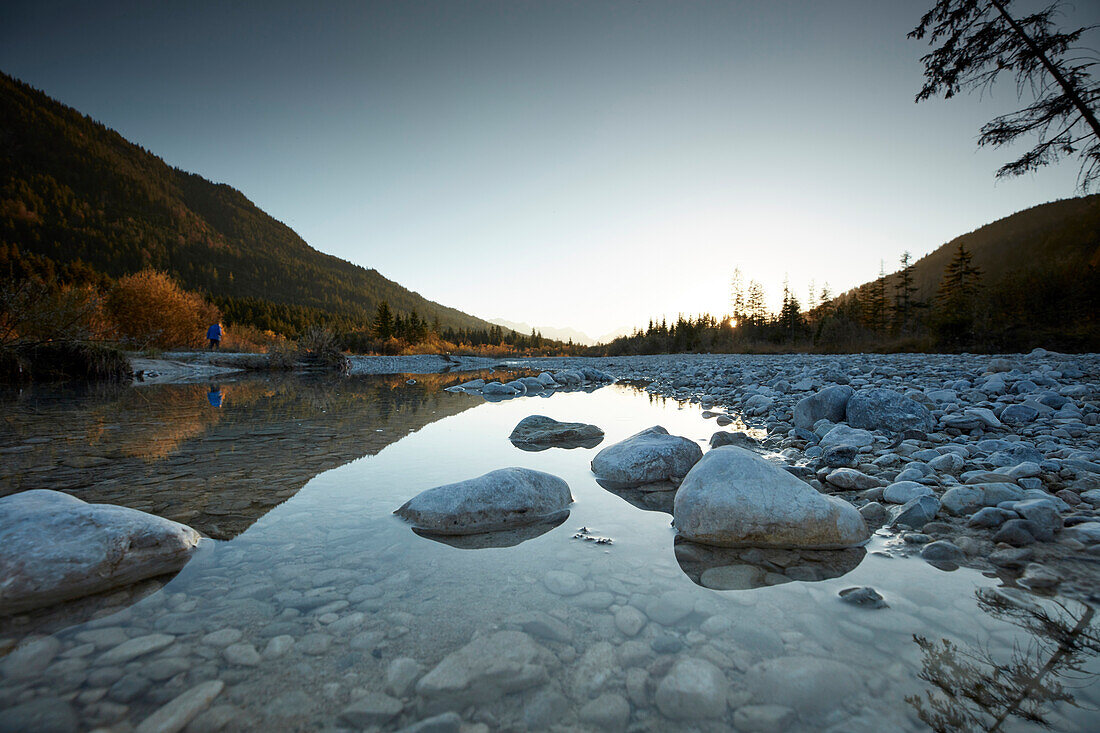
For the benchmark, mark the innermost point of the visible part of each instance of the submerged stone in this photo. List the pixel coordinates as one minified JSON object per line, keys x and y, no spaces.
{"x":542,"y":431}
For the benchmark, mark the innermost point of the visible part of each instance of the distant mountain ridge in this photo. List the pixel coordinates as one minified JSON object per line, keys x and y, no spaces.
{"x":1062,"y":236}
{"x":560,"y":334}
{"x":74,"y":191}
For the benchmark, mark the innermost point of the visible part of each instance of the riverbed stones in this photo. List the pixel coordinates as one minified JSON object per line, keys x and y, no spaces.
{"x":374,"y":708}
{"x":916,"y":512}
{"x":646,"y":457}
{"x":694,"y":689}
{"x":828,"y":404}
{"x":734,"y":498}
{"x":884,"y":409}
{"x":810,"y":685}
{"x":563,"y":582}
{"x":905,"y":491}
{"x":55,"y":547}
{"x":608,"y":712}
{"x":542,"y":430}
{"x":501,"y":499}
{"x":485,"y":669}
{"x":847,"y":436}
{"x":175,"y":715}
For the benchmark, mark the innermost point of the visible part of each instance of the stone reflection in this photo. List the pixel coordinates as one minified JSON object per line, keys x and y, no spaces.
{"x":216,"y":457}
{"x":972,"y":688}
{"x":722,"y":568}
{"x":502,"y":538}
{"x":654,"y":497}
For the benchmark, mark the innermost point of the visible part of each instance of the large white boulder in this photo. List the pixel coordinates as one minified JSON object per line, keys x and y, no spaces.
{"x":55,"y":547}
{"x":501,"y":499}
{"x":649,"y":456}
{"x":734,"y":498}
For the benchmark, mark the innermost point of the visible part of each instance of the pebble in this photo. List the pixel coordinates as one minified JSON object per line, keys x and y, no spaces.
{"x":180,"y":711}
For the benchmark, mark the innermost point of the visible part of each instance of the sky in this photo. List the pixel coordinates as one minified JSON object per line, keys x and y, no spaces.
{"x":585,"y":164}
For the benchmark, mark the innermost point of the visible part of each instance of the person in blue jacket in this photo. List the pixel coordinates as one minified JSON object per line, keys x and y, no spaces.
{"x":214,"y":336}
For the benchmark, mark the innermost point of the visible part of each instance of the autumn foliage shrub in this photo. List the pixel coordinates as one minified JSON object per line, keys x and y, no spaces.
{"x":150,"y":309}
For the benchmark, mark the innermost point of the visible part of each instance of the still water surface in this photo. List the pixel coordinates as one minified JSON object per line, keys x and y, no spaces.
{"x":297,"y":479}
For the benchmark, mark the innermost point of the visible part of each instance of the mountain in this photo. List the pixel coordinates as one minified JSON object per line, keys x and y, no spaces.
{"x":559,"y":334}
{"x":75,"y":194}
{"x":1061,"y":236}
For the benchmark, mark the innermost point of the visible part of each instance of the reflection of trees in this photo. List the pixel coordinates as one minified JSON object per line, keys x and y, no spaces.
{"x":975,"y":691}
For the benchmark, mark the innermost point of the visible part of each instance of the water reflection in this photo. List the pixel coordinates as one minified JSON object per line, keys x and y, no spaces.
{"x":502,"y":538}
{"x":722,"y":568}
{"x":974,"y":688}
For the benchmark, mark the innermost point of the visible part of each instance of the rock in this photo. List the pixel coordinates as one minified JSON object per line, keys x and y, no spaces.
{"x":941,"y":551}
{"x":1015,"y":532}
{"x":732,"y":577}
{"x":278,"y":646}
{"x":649,"y":456}
{"x":839,"y":456}
{"x":991,"y":516}
{"x":563,"y":582}
{"x":950,"y":463}
{"x":244,"y":655}
{"x":915,"y":513}
{"x":874,"y":514}
{"x":1019,"y":415}
{"x":845,"y":435}
{"x":54,"y":547}
{"x":544,"y":626}
{"x":594,"y":670}
{"x":1086,"y":532}
{"x":374,"y":708}
{"x":723,"y":437}
{"x":1039,"y":577}
{"x":136,"y":647}
{"x":180,"y":711}
{"x":30,"y":658}
{"x":694,"y":689}
{"x":850,"y":478}
{"x":542,"y":430}
{"x":734,"y":498}
{"x":608,"y":712}
{"x":1016,"y":557}
{"x":485,"y":669}
{"x":810,"y":685}
{"x":763,"y":719}
{"x":501,"y":499}
{"x":1043,"y":514}
{"x":670,"y":607}
{"x":41,"y":715}
{"x":445,"y":723}
{"x":498,"y":389}
{"x":547,"y":380}
{"x":629,"y":620}
{"x":905,"y":491}
{"x":883,"y":409}
{"x":401,"y":675}
{"x":865,"y":596}
{"x":828,"y":404}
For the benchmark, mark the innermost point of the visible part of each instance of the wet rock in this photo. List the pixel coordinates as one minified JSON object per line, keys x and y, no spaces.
{"x":732,"y":577}
{"x":874,"y":514}
{"x":1016,"y":557}
{"x":646,"y":457}
{"x":374,"y":708}
{"x":865,"y":596}
{"x":1039,"y":577}
{"x":485,"y":669}
{"x":851,"y":479}
{"x":244,"y":655}
{"x":134,"y":648}
{"x":809,"y":685}
{"x":563,"y":582}
{"x":608,"y":712}
{"x":743,"y":440}
{"x":507,"y":497}
{"x":42,"y":715}
{"x":990,"y":517}
{"x":594,"y":671}
{"x":1015,"y":532}
{"x":839,"y":456}
{"x":30,"y":658}
{"x":55,"y":547}
{"x":670,"y":607}
{"x":278,"y":646}
{"x":539,"y":430}
{"x":941,"y":551}
{"x":734,"y":498}
{"x":694,"y":689}
{"x":763,"y":718}
{"x":629,"y":620}
{"x":828,"y":404}
{"x":401,"y":676}
{"x":884,"y":409}
{"x":175,"y":715}
{"x":846,"y":436}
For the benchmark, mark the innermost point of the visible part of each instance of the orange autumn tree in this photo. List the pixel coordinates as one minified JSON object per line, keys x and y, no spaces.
{"x":149,"y":308}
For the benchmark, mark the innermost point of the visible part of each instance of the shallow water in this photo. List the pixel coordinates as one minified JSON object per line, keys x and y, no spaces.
{"x":300,"y":479}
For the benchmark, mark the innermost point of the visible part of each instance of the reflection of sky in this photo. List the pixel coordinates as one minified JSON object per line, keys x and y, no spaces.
{"x":575,"y":152}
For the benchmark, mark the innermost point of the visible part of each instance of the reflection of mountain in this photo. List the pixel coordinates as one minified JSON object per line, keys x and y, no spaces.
{"x":169,"y":450}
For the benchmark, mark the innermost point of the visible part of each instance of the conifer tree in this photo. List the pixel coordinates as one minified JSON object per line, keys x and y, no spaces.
{"x":903,"y":293}
{"x":956,"y":300}
{"x":383,"y":321}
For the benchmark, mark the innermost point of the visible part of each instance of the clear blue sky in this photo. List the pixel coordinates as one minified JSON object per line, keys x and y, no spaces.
{"x":586,"y":164}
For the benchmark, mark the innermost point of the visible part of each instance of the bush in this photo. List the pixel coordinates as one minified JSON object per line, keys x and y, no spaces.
{"x":60,"y":360}
{"x":33,"y":312}
{"x":150,"y":309}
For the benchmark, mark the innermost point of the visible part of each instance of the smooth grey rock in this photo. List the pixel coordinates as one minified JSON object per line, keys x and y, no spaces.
{"x":136,"y":647}
{"x":990,"y":516}
{"x":950,"y":463}
{"x":646,"y":457}
{"x":810,"y":685}
{"x":1019,"y":415}
{"x":563,"y":582}
{"x":839,"y":456}
{"x":828,"y":404}
{"x":485,"y":669}
{"x":175,"y":715}
{"x":374,"y":708}
{"x":941,"y":551}
{"x":54,"y":547}
{"x":542,"y":430}
{"x":723,"y":437}
{"x":30,"y":658}
{"x":915,"y":513}
{"x":734,"y":498}
{"x":608,"y":712}
{"x":629,"y":620}
{"x":763,"y":719}
{"x":884,"y":409}
{"x":846,"y":435}
{"x":670,"y":607}
{"x":1016,"y":532}
{"x":445,"y":723}
{"x":851,"y":479}
{"x":41,"y":715}
{"x":501,"y":499}
{"x":905,"y":491}
{"x":694,"y":689}
{"x":874,"y":514}
{"x":864,"y":596}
